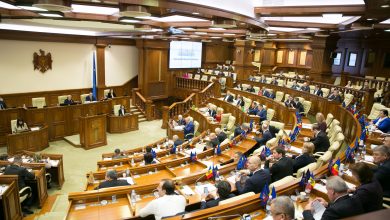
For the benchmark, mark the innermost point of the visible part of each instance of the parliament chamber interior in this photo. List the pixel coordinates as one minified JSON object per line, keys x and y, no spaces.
{"x":194,"y":109}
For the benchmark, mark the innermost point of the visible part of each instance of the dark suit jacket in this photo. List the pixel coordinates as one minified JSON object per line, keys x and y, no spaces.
{"x":343,"y":207}
{"x":240,"y":103}
{"x":299,"y":107}
{"x":302,"y":160}
{"x":290,"y":104}
{"x":215,"y":142}
{"x":255,"y":183}
{"x":89,"y":99}
{"x":121,"y":113}
{"x":274,"y":83}
{"x":321,"y":142}
{"x":382,"y":174}
{"x":252,"y":111}
{"x":263,"y":80}
{"x":213,"y":202}
{"x":274,"y":130}
{"x":3,"y":105}
{"x":282,"y":168}
{"x":221,"y":136}
{"x":266,"y":137}
{"x":148,"y":158}
{"x":238,"y":131}
{"x":112,"y":183}
{"x":22,"y":173}
{"x":250,"y":89}
{"x":335,"y":98}
{"x":68,"y":102}
{"x":295,"y":87}
{"x":181,"y":122}
{"x":262,"y":114}
{"x":110,"y":96}
{"x":189,"y":129}
{"x":212,"y":113}
{"x":322,"y":126}
{"x":228,"y":98}
{"x":384,"y":125}
{"x":178,"y":142}
{"x":318,"y":92}
{"x":265,"y":93}
{"x":305,"y":88}
{"x":271,"y":95}
{"x":370,"y":195}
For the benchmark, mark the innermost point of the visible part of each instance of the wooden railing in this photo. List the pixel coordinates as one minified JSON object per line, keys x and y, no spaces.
{"x":229,"y":78}
{"x":144,"y":105}
{"x":373,"y":83}
{"x":186,"y":83}
{"x":196,"y":98}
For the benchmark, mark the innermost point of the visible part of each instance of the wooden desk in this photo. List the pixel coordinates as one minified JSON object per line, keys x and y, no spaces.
{"x":10,"y":208}
{"x":93,"y":131}
{"x":122,"y":124}
{"x":29,"y":140}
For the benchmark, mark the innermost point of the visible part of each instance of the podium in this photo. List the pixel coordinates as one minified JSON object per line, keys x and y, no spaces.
{"x":122,"y":124}
{"x":29,"y":140}
{"x":93,"y":131}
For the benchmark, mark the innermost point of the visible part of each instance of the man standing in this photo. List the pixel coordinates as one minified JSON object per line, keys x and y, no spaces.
{"x":341,"y":205}
{"x":257,"y":177}
{"x":90,"y":98}
{"x":2,"y":104}
{"x":189,"y":129}
{"x":168,"y":202}
{"x":282,"y":167}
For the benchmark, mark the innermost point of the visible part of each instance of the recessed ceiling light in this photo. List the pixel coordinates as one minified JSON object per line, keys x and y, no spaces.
{"x":31,"y":8}
{"x":201,"y":33}
{"x":185,"y":38}
{"x":215,"y":37}
{"x":385,"y":6}
{"x":17,"y":27}
{"x":129,"y":20}
{"x":271,"y":34}
{"x":229,"y":34}
{"x":7,"y":6}
{"x":388,"y":30}
{"x":94,"y":9}
{"x":332,"y":15}
{"x":370,"y":19}
{"x":195,"y":13}
{"x":313,"y":29}
{"x":217,"y":29}
{"x":52,"y":14}
{"x":178,"y":18}
{"x":147,"y":17}
{"x":186,"y":28}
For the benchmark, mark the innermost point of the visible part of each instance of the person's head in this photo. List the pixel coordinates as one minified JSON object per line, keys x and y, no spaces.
{"x":245,"y":126}
{"x":111,"y":90}
{"x":90,"y":94}
{"x":265,"y":125}
{"x":228,"y":93}
{"x":175,"y":137}
{"x":1,"y":99}
{"x":117,"y":151}
{"x":217,"y":130}
{"x":238,"y":97}
{"x":386,"y":142}
{"x":336,"y":187}
{"x":219,"y":111}
{"x":253,"y":104}
{"x":122,"y":107}
{"x":18,"y":160}
{"x":349,"y":83}
{"x":362,"y":172}
{"x":278,"y":153}
{"x":148,"y":149}
{"x":305,"y":84}
{"x":213,"y":136}
{"x":282,"y":208}
{"x":187,"y":120}
{"x":365,"y":83}
{"x":290,"y":98}
{"x":296,"y":99}
{"x":111,"y":175}
{"x":308,"y":148}
{"x":260,"y":107}
{"x":316,"y":128}
{"x":295,"y":82}
{"x":320,"y":117}
{"x":20,"y":122}
{"x":384,"y":113}
{"x":254,"y":163}
{"x":69,"y":97}
{"x":166,"y":187}
{"x":180,"y":117}
{"x":380,"y":154}
{"x":316,"y":87}
{"x":237,"y":155}
{"x":223,"y":189}
{"x":335,"y":92}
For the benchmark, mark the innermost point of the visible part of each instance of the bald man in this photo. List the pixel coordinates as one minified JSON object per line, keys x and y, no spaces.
{"x":257,"y":177}
{"x":214,"y":140}
{"x":220,"y":134}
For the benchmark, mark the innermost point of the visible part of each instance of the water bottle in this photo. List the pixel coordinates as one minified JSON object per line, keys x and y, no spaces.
{"x":132,"y":162}
{"x":127,"y":172}
{"x":364,"y":152}
{"x":113,"y":197}
{"x":133,"y":197}
{"x":268,"y":207}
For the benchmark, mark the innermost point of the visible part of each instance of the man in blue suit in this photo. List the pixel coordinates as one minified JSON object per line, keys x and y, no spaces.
{"x":383,"y":121}
{"x":257,"y":177}
{"x":68,"y":100}
{"x":261,"y":112}
{"x":90,"y":98}
{"x":189,"y":129}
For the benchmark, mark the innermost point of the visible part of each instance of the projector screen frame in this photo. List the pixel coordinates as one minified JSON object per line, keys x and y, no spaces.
{"x":184,"y":68}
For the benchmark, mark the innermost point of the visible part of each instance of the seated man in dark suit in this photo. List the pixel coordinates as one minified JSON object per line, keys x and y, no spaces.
{"x":188,"y":129}
{"x":90,"y":98}
{"x":118,"y":154}
{"x":122,"y":111}
{"x":252,"y":110}
{"x":257,"y":177}
{"x":335,"y":96}
{"x":250,"y":89}
{"x":112,"y":180}
{"x":305,"y":158}
{"x":223,"y":192}
{"x":23,"y":174}
{"x":263,"y":79}
{"x":220,"y":135}
{"x":228,"y":97}
{"x":214,"y":140}
{"x":180,"y":120}
{"x":381,"y":156}
{"x":148,"y":156}
{"x":274,"y":130}
{"x":320,"y":140}
{"x":271,"y":94}
{"x":266,"y":135}
{"x":299,"y":106}
{"x":263,"y":92}
{"x":282,"y":167}
{"x":290,"y":102}
{"x":211,"y":111}
{"x":2,"y":104}
{"x":68,"y":100}
{"x":111,"y":94}
{"x":261,"y":112}
{"x":240,"y":129}
{"x":295,"y":85}
{"x":341,"y":204}
{"x":176,"y":140}
{"x":239,"y":101}
{"x":317,"y":91}
{"x":274,"y":81}
{"x":305,"y":87}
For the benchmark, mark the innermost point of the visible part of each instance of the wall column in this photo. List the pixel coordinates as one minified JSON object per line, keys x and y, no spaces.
{"x":243,"y":57}
{"x":101,"y":66}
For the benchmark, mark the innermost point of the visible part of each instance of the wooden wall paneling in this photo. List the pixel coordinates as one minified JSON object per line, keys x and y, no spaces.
{"x":36,"y":117}
{"x":243,"y":58}
{"x":57,"y":122}
{"x":73,"y":114}
{"x":217,"y":53}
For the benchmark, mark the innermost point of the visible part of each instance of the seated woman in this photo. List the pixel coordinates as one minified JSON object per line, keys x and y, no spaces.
{"x":369,"y":192}
{"x":382,"y":123}
{"x":111,"y":94}
{"x":223,"y":192}
{"x":21,"y":126}
{"x":218,"y":116}
{"x":321,"y":121}
{"x":305,"y":158}
{"x":148,"y":156}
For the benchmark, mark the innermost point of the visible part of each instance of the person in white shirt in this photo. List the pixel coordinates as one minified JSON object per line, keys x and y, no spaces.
{"x":167,"y":204}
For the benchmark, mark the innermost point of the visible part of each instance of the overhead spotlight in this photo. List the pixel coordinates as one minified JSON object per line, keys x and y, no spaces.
{"x":128,"y":20}
{"x":385,"y":6}
{"x":133,"y":10}
{"x":223,"y":23}
{"x":53,"y":5}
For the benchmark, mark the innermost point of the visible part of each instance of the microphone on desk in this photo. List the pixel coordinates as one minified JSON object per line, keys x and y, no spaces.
{"x":197,"y":180}
{"x":224,"y":216}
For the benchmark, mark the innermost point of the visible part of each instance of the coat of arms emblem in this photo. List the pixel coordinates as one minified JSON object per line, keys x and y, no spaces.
{"x":42,"y":62}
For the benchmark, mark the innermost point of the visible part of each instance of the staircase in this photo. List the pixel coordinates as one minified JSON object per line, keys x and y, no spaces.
{"x":135,"y":110}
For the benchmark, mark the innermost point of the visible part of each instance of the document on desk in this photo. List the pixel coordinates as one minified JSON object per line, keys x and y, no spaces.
{"x":319,"y":210}
{"x":54,"y":163}
{"x":307,"y":126}
{"x":232,"y":179}
{"x":295,"y":149}
{"x":80,"y":206}
{"x":187,"y":190}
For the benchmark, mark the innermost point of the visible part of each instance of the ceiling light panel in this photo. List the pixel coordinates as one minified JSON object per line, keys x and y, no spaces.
{"x":31,"y":8}
{"x":217,"y":29}
{"x":260,"y":3}
{"x":285,"y":29}
{"x":7,"y":6}
{"x":178,"y":18}
{"x":94,"y":9}
{"x":316,"y":19}
{"x":17,"y":27}
{"x":386,"y":21}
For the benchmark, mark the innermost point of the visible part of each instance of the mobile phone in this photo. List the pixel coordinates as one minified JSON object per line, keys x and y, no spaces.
{"x":206,"y":190}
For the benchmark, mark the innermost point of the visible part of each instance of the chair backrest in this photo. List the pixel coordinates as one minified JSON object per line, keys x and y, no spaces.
{"x":280,"y":82}
{"x":62,"y":98}
{"x":301,"y":99}
{"x":306,"y":106}
{"x":270,"y":114}
{"x":281,"y":182}
{"x":276,"y":124}
{"x":369,"y":77}
{"x":325,"y":92}
{"x":303,"y":170}
{"x":13,"y":125}
{"x":116,"y":109}
{"x":335,"y":146}
{"x":197,"y":76}
{"x":244,"y":86}
{"x":39,"y":102}
{"x":279,"y":96}
{"x":286,"y":96}
{"x":337,"y":81}
{"x":257,"y":89}
{"x":190,"y":75}
{"x":375,"y":110}
{"x":329,"y":119}
{"x":204,"y":78}
{"x":348,"y":99}
{"x":380,"y":78}
{"x":247,"y":102}
{"x":378,"y":93}
{"x":257,"y":78}
{"x":236,"y":198}
{"x":225,"y":118}
{"x":312,"y":89}
{"x":326,"y":157}
{"x":231,"y":122}
{"x":196,"y":127}
{"x":290,"y":84}
{"x":83,"y":97}
{"x":340,"y":138}
{"x":212,"y":78}
{"x":105,"y":92}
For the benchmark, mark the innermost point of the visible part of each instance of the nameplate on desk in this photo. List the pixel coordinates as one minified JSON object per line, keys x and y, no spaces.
{"x":34,"y":128}
{"x":307,"y":126}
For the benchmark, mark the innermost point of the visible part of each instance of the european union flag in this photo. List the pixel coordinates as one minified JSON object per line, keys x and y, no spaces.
{"x":273,"y":193}
{"x":219,"y":151}
{"x":241,"y":163}
{"x":264,"y":195}
{"x":173,"y":150}
{"x":154,"y":155}
{"x":267,"y":152}
{"x":251,"y":124}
